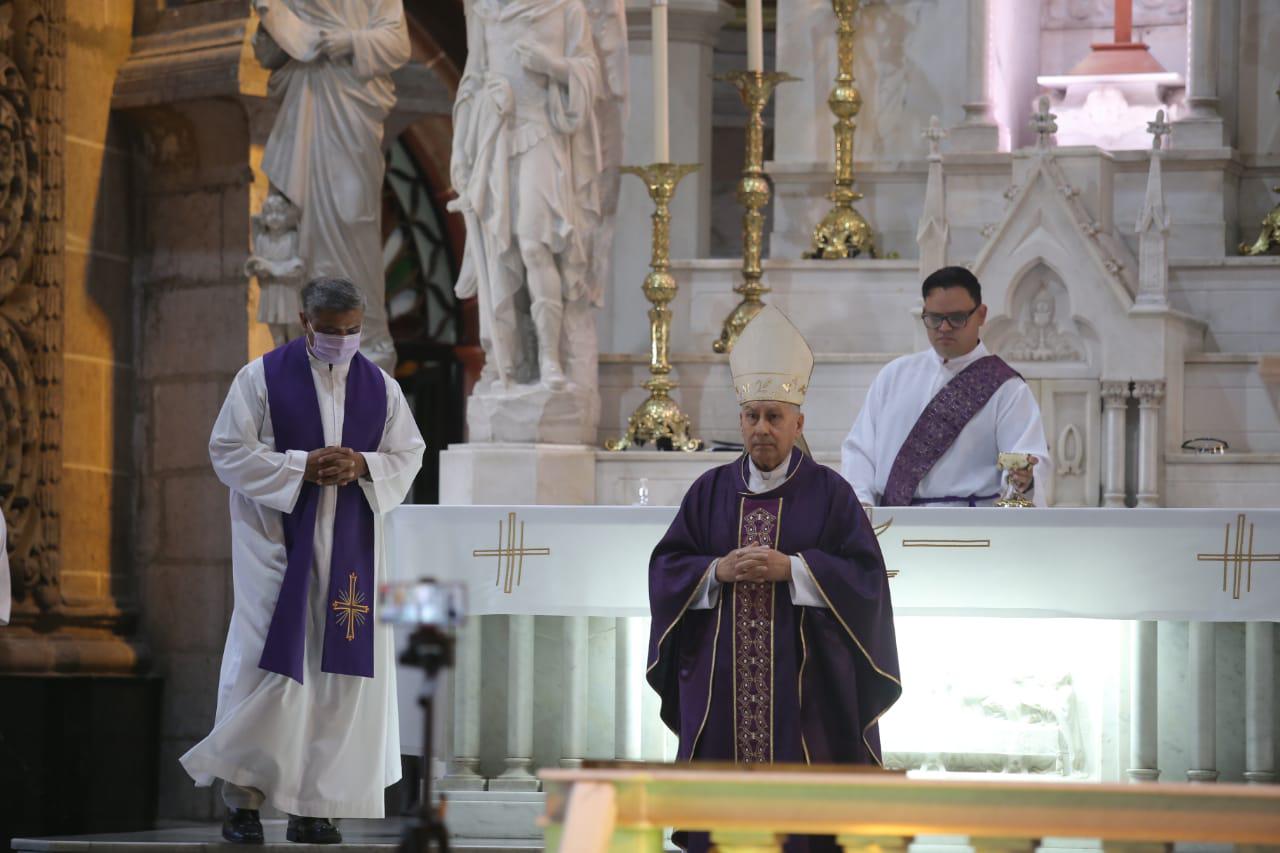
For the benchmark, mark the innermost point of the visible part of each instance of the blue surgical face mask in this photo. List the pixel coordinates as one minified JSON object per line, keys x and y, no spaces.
{"x":334,"y":349}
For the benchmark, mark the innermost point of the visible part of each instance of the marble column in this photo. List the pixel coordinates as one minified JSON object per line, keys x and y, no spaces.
{"x":1203,"y":126}
{"x":1203,"y":718}
{"x":573,"y":743}
{"x":692,"y":26}
{"x":978,"y":130}
{"x":1150,"y":396}
{"x":517,"y":776}
{"x":1259,"y":702}
{"x":464,"y":764}
{"x":1143,"y":716}
{"x":1115,"y":399}
{"x":629,"y":688}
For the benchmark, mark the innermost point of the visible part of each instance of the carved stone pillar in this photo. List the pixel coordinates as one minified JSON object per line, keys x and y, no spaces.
{"x":57,"y":624}
{"x":1259,"y":702}
{"x":1203,"y":126}
{"x":574,"y":731}
{"x":1150,"y":396}
{"x":629,"y":688}
{"x":464,"y":762}
{"x":1115,"y":399}
{"x":1203,"y":717}
{"x":978,"y":130}
{"x":519,"y":760}
{"x":1143,"y":716}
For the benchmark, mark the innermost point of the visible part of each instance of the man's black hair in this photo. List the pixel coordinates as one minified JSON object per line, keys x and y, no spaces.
{"x":952,"y":277}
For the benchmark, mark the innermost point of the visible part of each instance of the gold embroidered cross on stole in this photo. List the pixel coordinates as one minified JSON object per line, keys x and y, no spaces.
{"x":351,"y":608}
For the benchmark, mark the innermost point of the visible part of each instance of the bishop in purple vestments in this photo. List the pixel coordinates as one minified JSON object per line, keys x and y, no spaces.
{"x":772,"y":636}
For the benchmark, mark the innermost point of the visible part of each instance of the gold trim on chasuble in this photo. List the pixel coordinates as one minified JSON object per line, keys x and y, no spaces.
{"x":753,"y":605}
{"x":862,"y":649}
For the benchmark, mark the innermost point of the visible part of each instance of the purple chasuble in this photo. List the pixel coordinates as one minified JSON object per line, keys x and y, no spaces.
{"x":295,"y":418}
{"x":757,"y":679}
{"x":940,"y":424}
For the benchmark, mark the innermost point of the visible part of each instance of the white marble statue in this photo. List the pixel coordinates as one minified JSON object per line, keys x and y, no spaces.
{"x":331,"y":64}
{"x":537,"y":141}
{"x":279,"y":269}
{"x":1040,"y":339}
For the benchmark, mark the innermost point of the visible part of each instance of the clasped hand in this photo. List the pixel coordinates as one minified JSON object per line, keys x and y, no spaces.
{"x":335,"y":466}
{"x":337,"y":45}
{"x":539,"y":60}
{"x":754,"y":564}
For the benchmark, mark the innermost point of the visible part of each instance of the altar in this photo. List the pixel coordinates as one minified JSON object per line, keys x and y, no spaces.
{"x":1200,"y":565}
{"x":1029,"y":641}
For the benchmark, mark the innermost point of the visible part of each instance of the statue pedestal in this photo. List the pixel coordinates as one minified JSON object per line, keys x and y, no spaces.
{"x":534,"y":414}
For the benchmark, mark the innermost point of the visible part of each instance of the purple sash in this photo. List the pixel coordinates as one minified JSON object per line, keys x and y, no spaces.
{"x":295,"y":417}
{"x":940,"y":424}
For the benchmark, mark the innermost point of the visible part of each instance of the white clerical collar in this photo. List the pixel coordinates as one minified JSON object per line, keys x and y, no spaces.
{"x":767,"y":479}
{"x":960,"y":362}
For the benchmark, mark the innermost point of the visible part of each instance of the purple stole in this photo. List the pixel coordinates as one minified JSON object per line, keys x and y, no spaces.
{"x":295,"y":418}
{"x":940,"y":424}
{"x":759,"y":523}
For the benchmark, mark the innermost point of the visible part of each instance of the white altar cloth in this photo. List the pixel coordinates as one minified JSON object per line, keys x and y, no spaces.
{"x":1204,"y":565}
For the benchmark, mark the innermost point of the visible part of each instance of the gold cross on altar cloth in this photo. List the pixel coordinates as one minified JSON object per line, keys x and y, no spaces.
{"x":350,"y":607}
{"x":1240,"y":560}
{"x":510,"y":558}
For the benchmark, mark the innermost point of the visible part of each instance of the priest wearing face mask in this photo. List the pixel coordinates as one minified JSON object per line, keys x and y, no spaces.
{"x":772,"y":637}
{"x":316,"y":444}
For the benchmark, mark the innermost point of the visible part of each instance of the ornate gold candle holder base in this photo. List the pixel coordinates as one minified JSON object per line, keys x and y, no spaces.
{"x":843,"y":232}
{"x":659,"y":419}
{"x":755,"y":88}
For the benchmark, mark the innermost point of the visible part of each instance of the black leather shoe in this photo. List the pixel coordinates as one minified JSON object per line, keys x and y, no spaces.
{"x":313,"y":830}
{"x":242,"y":826}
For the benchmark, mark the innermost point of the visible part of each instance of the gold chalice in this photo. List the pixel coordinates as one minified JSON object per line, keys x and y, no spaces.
{"x":1009,"y":496}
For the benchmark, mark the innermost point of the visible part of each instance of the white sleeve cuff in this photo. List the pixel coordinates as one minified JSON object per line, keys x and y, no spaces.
{"x":296,"y":460}
{"x":804,"y":591}
{"x":708,"y":593}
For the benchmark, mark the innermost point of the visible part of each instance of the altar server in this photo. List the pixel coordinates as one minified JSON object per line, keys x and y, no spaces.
{"x":772,"y":637}
{"x":934,"y":422}
{"x":316,"y":444}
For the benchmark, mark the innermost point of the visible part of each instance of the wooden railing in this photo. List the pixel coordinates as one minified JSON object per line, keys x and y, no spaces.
{"x":626,"y":809}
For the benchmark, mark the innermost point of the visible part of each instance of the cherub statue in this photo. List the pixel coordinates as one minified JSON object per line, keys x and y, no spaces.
{"x":279,"y":270}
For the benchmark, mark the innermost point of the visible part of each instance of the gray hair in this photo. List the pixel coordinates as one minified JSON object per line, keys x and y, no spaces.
{"x":331,"y":294}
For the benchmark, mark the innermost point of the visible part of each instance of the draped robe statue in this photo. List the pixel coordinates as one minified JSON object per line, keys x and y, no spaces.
{"x":324,"y":153}
{"x":536,"y":145}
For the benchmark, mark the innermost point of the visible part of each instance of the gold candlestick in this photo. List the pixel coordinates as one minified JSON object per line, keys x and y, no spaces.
{"x":843,"y":233}
{"x":659,"y":419}
{"x":755,"y":88}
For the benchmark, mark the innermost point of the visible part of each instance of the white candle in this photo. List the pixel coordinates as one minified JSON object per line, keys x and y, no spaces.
{"x":661,"y":120}
{"x":755,"y":36}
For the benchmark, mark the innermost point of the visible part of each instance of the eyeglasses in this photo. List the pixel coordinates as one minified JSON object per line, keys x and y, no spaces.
{"x":956,"y":320}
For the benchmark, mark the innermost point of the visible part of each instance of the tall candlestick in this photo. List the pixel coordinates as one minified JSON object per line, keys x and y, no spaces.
{"x":755,"y":36}
{"x":661,"y":120}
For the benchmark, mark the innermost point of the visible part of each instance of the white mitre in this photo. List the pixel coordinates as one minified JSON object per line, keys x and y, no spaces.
{"x":771,"y":360}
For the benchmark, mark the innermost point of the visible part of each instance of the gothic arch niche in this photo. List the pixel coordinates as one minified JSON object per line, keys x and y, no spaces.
{"x":1039,"y":326}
